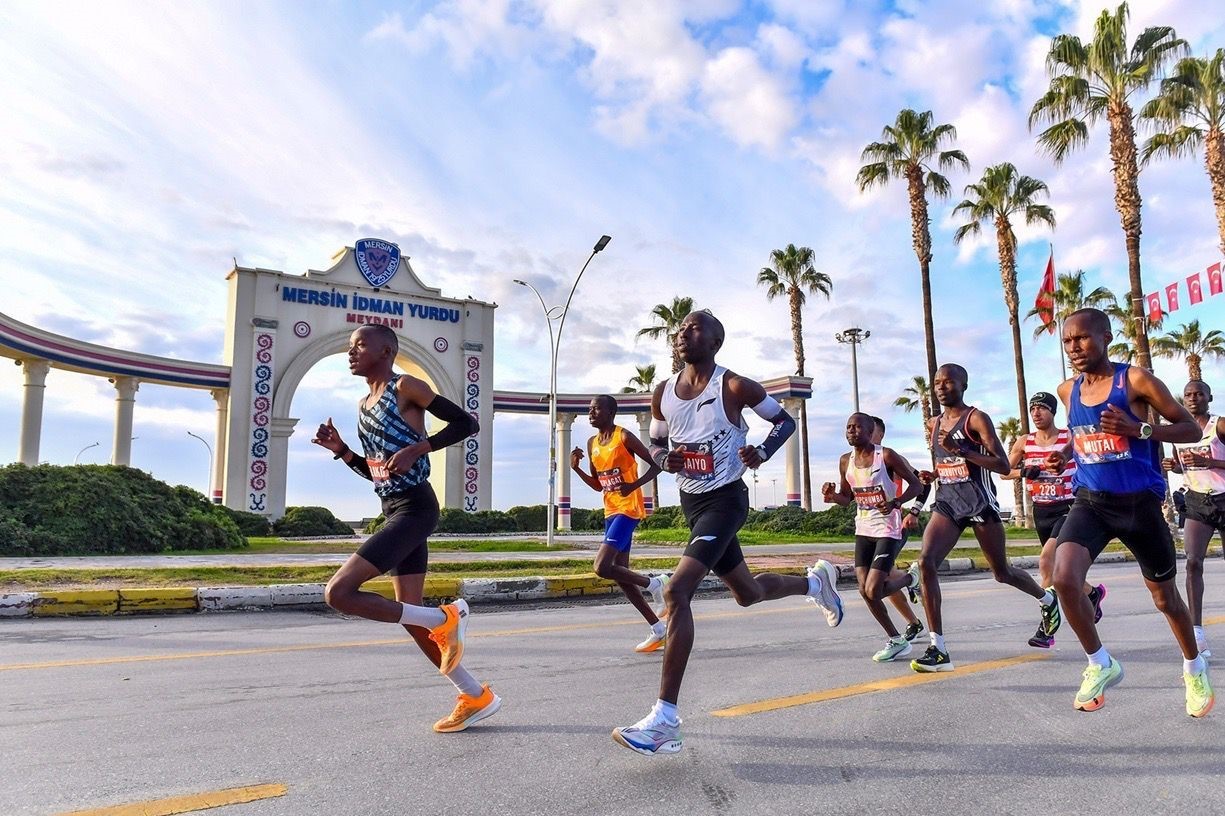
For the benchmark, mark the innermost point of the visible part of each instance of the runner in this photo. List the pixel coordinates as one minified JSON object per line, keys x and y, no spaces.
{"x":395,"y":457}
{"x":866,"y":478}
{"x":966,"y":451}
{"x":910,"y":521}
{"x":1201,"y":465}
{"x":615,"y":474}
{"x":1051,"y":496}
{"x":698,"y":433}
{"x":1119,"y":490}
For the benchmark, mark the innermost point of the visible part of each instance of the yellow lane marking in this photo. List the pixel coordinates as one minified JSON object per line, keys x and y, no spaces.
{"x":1214,"y":621}
{"x":188,"y":804}
{"x":873,"y":686}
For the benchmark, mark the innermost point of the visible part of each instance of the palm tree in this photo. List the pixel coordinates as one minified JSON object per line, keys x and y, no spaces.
{"x":1010,"y":430}
{"x":918,"y":396}
{"x":1126,"y":350}
{"x":1070,"y":296}
{"x":793,"y":274}
{"x":1001,"y":195}
{"x":1191,"y":111}
{"x":1191,"y":343}
{"x":670,"y":317}
{"x":1095,"y":80}
{"x":907,"y":150}
{"x":642,"y":382}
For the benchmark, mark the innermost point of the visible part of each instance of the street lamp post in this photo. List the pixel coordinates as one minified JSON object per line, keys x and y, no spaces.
{"x":557,"y":313}
{"x":854,"y":336}
{"x":208,"y":484}
{"x":77,"y":458}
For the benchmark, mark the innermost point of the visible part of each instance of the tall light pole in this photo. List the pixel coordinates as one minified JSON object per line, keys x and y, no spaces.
{"x":208,"y":485}
{"x":77,"y":458}
{"x":557,"y":313}
{"x":854,"y":336}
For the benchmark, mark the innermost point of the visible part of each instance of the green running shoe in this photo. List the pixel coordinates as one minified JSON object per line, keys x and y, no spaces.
{"x":895,"y":648}
{"x":1199,"y":694}
{"x":1051,"y":619}
{"x":1092,"y":694}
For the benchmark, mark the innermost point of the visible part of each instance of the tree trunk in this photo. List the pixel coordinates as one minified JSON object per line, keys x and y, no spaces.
{"x":922,"y":240}
{"x":1193,"y":367}
{"x":1127,"y":201}
{"x":925,"y":406}
{"x":797,"y":342}
{"x":1214,"y":158}
{"x":677,"y":362}
{"x":1020,"y":515}
{"x":1007,"y":246}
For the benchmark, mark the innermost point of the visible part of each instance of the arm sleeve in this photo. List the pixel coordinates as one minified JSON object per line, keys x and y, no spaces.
{"x":925,"y":490}
{"x":659,"y":442}
{"x":359,"y":466}
{"x":784,"y":427}
{"x":460,"y":425}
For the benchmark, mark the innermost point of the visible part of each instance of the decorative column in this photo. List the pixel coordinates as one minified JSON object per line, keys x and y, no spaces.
{"x":258,"y":498}
{"x":475,"y":381}
{"x":792,"y":405}
{"x":221,"y":396}
{"x":32,"y":409}
{"x":564,"y":421}
{"x":644,"y":433}
{"x":280,"y":429}
{"x":125,"y":401}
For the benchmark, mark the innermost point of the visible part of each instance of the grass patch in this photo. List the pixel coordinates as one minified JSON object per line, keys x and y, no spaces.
{"x":345,"y":546}
{"x":680,"y":535}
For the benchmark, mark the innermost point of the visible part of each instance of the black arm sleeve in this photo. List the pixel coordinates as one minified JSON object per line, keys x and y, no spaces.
{"x":359,"y":466}
{"x":925,"y":490}
{"x":460,"y":424}
{"x":784,"y":427}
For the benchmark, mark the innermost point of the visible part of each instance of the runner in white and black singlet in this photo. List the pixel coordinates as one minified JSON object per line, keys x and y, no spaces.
{"x":904,"y":599}
{"x":1202,"y":465}
{"x":698,"y":433}
{"x":395,"y":457}
{"x":966,"y":451}
{"x":1051,"y":497}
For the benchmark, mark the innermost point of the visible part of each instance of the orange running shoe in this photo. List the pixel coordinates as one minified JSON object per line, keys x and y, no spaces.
{"x":469,"y":710}
{"x":449,"y":635}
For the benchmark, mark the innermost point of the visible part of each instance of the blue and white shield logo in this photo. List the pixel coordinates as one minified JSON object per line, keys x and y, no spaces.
{"x":378,"y":260}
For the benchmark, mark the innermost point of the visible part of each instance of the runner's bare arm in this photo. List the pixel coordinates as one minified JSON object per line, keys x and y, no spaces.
{"x":901,"y":467}
{"x":1015,"y":456}
{"x":667,"y":460}
{"x":589,"y":479}
{"x":1153,"y":392}
{"x":995,"y":461}
{"x":842,"y":494}
{"x":640,"y":450}
{"x":751,"y":394}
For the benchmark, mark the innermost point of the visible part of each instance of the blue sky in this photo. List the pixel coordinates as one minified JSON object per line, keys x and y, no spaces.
{"x":145,"y":146}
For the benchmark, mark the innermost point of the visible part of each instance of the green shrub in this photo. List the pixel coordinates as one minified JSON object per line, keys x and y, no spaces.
{"x":664,"y":518}
{"x":529,"y":518}
{"x":50,"y":510}
{"x":453,"y":520}
{"x":310,"y":521}
{"x":586,"y":520}
{"x":375,"y":524}
{"x":250,"y":524}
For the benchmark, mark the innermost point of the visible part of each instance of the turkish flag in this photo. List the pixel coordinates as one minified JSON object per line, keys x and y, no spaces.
{"x":1045,"y":301}
{"x":1171,"y":294}
{"x":1195,"y":292}
{"x":1154,"y":306}
{"x":1214,"y":279}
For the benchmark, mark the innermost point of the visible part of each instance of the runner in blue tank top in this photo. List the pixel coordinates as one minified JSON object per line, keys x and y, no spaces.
{"x":1119,"y":488}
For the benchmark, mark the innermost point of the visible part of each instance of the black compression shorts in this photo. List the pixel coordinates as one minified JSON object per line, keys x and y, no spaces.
{"x":1133,"y":518}
{"x":1049,"y":518}
{"x":714,"y":518}
{"x":876,"y":553}
{"x":1207,"y":508}
{"x":399,"y":545}
{"x":989,"y":515}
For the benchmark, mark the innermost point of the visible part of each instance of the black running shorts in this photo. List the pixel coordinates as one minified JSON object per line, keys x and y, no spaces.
{"x":1049,"y":518}
{"x":988,"y":515}
{"x":714,"y":518}
{"x":399,"y":545}
{"x":876,"y":553}
{"x":1207,"y":508}
{"x":1135,"y":519}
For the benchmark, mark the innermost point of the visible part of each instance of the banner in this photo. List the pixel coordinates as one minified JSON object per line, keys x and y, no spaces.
{"x":1044,"y":303}
{"x":1171,"y":295}
{"x":1154,"y":306}
{"x":1195,"y":292}
{"x":1214,"y":279}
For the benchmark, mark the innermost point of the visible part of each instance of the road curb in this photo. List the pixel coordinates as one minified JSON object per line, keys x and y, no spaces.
{"x":437,"y":589}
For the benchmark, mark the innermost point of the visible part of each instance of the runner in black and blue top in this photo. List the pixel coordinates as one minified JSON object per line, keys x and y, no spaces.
{"x":1119,"y":489}
{"x":395,"y":448}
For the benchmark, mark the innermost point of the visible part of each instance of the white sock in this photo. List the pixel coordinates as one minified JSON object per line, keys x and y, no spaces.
{"x":465,"y":682}
{"x":424,"y":616}
{"x":1047,"y":599}
{"x":938,"y":641}
{"x":1199,"y":634}
{"x":1099,"y":658}
{"x":659,"y":628}
{"x":814,"y":585}
{"x":663,"y":710}
{"x":656,"y":585}
{"x":1194,"y":666}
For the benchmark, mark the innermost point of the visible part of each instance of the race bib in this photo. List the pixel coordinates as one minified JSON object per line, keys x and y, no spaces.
{"x":868,"y":497}
{"x":610,"y":480}
{"x":378,"y":469}
{"x":952,"y":470}
{"x":699,"y":463}
{"x":1185,"y":454}
{"x":1048,"y":490}
{"x":1095,"y":447}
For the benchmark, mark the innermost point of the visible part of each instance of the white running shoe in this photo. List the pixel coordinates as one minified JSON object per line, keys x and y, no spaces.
{"x":653,"y":643}
{"x":829,"y":600}
{"x":650,"y":736}
{"x":656,"y":595}
{"x":894,"y":648}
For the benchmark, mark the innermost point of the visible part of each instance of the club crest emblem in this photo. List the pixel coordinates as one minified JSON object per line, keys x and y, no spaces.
{"x":377,"y":260}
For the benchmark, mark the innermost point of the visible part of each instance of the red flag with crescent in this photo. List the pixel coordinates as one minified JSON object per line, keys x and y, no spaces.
{"x":1214,"y":279}
{"x":1195,"y":292}
{"x":1171,"y":294}
{"x":1154,"y":306}
{"x":1044,"y":303}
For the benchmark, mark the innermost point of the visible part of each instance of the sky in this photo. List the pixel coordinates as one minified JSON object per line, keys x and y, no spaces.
{"x":147,"y":147}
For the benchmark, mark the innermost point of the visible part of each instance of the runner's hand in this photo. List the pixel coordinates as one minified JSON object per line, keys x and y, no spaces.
{"x":827,"y":492}
{"x":926,"y":477}
{"x":626,"y":490}
{"x":675,"y":462}
{"x":328,"y":437}
{"x":750,"y":456}
{"x":1116,"y":421}
{"x":1195,"y":460}
{"x":403,"y":460}
{"x":576,"y":456}
{"x":952,"y":443}
{"x":909,"y":521}
{"x":1055,"y":462}
{"x":1168,"y":464}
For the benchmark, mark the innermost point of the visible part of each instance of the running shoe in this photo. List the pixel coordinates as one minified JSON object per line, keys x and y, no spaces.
{"x":1096,"y":596}
{"x":469,"y":710}
{"x":650,"y":736}
{"x":651,"y":644}
{"x":829,"y":600}
{"x":1050,"y":615}
{"x":449,"y":635}
{"x":657,"y":597}
{"x":915,"y":590}
{"x":1092,"y":694}
{"x":913,"y":630}
{"x":933,"y":660}
{"x":1199,"y":694}
{"x":1041,"y":639}
{"x":894,"y":648}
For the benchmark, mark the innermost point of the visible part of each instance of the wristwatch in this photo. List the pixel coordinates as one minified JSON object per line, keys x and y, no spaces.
{"x":1146,"y":430}
{"x":761,"y":451}
{"x":912,"y":510}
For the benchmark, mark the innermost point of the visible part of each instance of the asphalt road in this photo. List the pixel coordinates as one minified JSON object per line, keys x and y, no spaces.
{"x":108,"y":711}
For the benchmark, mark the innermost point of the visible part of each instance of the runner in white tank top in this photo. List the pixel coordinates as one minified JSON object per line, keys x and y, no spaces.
{"x":866,"y":479}
{"x":698,"y":433}
{"x":1202,"y":465}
